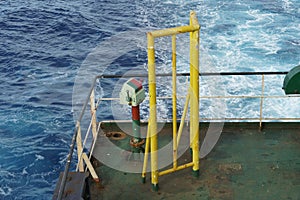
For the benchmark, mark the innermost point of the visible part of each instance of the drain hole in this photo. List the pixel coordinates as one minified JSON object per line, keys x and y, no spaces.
{"x":116,"y":135}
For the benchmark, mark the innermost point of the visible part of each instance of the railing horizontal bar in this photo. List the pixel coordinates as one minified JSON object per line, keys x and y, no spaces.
{"x":210,"y":97}
{"x":241,"y":118}
{"x":241,"y":73}
{"x":146,"y":98}
{"x":188,"y":74}
{"x":209,"y":119}
{"x":245,"y":97}
{"x":173,"y":31}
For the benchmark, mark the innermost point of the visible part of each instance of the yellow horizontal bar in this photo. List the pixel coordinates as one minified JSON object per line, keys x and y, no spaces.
{"x":168,"y":171}
{"x":173,"y":31}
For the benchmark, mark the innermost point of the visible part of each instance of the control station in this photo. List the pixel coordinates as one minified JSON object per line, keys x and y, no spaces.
{"x":133,"y":94}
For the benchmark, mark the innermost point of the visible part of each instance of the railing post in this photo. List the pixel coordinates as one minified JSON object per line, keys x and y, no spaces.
{"x":194,"y":84}
{"x":93,"y":114}
{"x":152,"y":119}
{"x":261,"y":100}
{"x":79,"y":149}
{"x":174,"y":102}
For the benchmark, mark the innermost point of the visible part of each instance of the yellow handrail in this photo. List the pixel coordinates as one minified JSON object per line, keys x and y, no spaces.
{"x":174,"y":101}
{"x":193,"y":29}
{"x":194,"y":87}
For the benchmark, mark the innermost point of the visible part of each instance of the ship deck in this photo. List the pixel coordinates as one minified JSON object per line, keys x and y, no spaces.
{"x":246,"y":163}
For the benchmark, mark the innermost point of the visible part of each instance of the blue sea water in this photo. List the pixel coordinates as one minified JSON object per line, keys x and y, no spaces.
{"x":44,"y":43}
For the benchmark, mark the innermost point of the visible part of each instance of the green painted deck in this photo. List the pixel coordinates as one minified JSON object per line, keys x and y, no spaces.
{"x":245,"y":164}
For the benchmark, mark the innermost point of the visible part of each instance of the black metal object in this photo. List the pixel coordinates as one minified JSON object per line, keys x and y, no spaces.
{"x":291,"y":84}
{"x":75,"y":186}
{"x":188,"y":74}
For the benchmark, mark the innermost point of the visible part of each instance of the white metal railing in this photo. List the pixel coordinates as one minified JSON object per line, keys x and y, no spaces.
{"x":262,"y":97}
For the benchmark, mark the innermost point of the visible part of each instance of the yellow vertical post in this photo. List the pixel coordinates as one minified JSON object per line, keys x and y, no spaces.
{"x":194,"y":84}
{"x":93,"y":114}
{"x":152,"y":119}
{"x":174,"y":102}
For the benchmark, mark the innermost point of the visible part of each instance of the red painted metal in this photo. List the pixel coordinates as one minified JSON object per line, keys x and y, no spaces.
{"x":135,"y":112}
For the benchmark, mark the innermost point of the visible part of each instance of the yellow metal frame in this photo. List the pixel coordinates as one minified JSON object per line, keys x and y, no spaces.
{"x":192,"y":97}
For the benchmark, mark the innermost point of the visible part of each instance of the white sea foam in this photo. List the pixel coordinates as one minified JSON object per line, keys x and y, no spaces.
{"x":24,"y":171}
{"x":39,"y":157}
{"x":5,"y":190}
{"x":287,"y":4}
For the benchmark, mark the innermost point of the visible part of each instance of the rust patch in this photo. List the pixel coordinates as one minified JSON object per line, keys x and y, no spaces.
{"x":217,"y":180}
{"x":230,"y":168}
{"x":219,"y":187}
{"x":222,"y":193}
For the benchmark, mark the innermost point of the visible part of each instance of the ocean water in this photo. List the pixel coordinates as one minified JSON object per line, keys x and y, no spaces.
{"x":44,"y":46}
